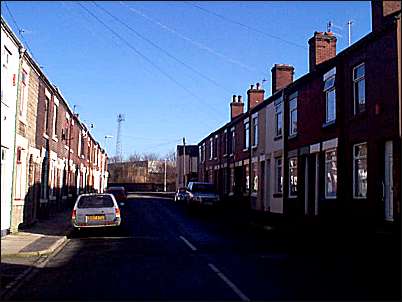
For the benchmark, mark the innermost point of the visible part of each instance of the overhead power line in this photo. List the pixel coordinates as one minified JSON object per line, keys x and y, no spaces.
{"x":20,"y":30}
{"x":245,"y":26}
{"x":161,"y":49}
{"x":195,"y":43}
{"x":128,"y":44}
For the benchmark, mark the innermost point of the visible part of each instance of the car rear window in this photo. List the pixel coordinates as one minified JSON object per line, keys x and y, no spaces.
{"x":100,"y":201}
{"x":205,"y":188}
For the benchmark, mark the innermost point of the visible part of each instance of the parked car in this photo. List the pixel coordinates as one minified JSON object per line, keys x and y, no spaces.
{"x":118,"y":192}
{"x":96,"y":210}
{"x":181,"y":195}
{"x":202,"y":194}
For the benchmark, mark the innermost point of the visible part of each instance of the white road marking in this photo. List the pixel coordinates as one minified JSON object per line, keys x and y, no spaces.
{"x":242,"y":296}
{"x":188,"y":243}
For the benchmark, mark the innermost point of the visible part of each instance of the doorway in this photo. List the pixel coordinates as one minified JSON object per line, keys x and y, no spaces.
{"x":388,"y":192}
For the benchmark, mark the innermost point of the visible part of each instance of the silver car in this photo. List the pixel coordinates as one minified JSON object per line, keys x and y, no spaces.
{"x":95,"y":210}
{"x":202,"y":194}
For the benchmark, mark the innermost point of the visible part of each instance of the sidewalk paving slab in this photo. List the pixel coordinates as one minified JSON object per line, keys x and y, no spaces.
{"x":40,"y":239}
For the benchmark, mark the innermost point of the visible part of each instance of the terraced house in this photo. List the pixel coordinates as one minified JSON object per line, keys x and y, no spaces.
{"x":327,"y":145}
{"x":54,"y":156}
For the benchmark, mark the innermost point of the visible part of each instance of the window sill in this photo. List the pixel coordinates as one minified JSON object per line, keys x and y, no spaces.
{"x":45,"y":136}
{"x":292,"y":197}
{"x":276,"y":138}
{"x":23,"y":120}
{"x":254,"y":146}
{"x":277,"y":195}
{"x":328,"y":124}
{"x":225,"y":155}
{"x":55,"y":139}
{"x":292,"y":136}
{"x":245,"y":149}
{"x":66,"y":147}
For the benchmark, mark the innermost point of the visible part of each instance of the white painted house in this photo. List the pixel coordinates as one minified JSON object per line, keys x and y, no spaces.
{"x":10,"y":47}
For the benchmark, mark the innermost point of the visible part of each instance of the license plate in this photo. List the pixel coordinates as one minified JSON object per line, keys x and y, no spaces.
{"x":95,"y":217}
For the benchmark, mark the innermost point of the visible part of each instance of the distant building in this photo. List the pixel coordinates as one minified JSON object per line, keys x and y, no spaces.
{"x":186,"y":166}
{"x":143,"y":175}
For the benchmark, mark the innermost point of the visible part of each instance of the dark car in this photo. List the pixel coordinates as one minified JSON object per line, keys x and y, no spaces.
{"x":181,"y":195}
{"x":202,"y":194}
{"x":118,"y":192}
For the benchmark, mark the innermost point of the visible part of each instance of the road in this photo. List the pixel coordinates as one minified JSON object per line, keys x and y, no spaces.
{"x":163,"y":252}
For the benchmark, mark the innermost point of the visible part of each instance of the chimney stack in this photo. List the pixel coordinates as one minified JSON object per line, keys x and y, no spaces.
{"x":255,"y":96}
{"x":380,"y":10}
{"x":282,"y":76}
{"x":236,"y":107}
{"x":322,"y":48}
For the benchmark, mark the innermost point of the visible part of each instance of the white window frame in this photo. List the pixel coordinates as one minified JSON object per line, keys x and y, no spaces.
{"x":23,"y":106}
{"x":246,"y":134}
{"x":55,"y":119}
{"x":292,"y":109}
{"x":330,"y":77}
{"x":233,"y":141}
{"x":278,"y":111}
{"x":276,"y":183}
{"x":225,"y":136}
{"x":203,"y":152}
{"x":216,"y":146}
{"x":255,"y":130}
{"x":211,"y":147}
{"x":326,"y":161}
{"x":290,"y":195}
{"x":355,"y":81}
{"x":354,"y":168}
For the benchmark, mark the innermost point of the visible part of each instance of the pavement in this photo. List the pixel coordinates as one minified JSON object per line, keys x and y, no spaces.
{"x":40,"y":239}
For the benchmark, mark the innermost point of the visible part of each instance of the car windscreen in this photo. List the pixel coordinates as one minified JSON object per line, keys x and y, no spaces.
{"x":203,"y":188}
{"x":98,"y":201}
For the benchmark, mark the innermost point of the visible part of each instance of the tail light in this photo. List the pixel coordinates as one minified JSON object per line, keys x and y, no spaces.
{"x":117,"y":211}
{"x":74,"y":214}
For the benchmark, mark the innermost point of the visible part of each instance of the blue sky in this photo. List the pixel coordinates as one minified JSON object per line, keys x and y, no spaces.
{"x":181,"y":85}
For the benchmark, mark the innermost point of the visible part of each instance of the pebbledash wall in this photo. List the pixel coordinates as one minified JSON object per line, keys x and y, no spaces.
{"x":55,"y":157}
{"x":327,"y":145}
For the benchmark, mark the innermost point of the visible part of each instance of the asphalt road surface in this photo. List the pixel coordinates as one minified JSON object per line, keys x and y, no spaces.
{"x":163,"y":252}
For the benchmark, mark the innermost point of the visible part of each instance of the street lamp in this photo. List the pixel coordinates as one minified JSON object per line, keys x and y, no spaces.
{"x":106,"y":137}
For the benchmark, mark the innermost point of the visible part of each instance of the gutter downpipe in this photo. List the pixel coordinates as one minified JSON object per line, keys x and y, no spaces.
{"x":21,"y":51}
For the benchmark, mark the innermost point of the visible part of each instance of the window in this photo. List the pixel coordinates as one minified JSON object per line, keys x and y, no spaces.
{"x":55,"y":119}
{"x":232,"y":180}
{"x":246,"y":134}
{"x":225,"y":142}
{"x":330,"y":98}
{"x":216,"y":146}
{"x":278,"y":119}
{"x":232,"y":141}
{"x":199,"y":153}
{"x":278,"y":175}
{"x":46,"y":122}
{"x":359,"y":88}
{"x":211,"y":147}
{"x":79,"y":144}
{"x":360,"y":170}
{"x":255,"y":131}
{"x":24,"y":93}
{"x":255,"y":177}
{"x":203,"y":152}
{"x":331,"y":177}
{"x":247,"y":177}
{"x":293,"y":177}
{"x":293,"y":116}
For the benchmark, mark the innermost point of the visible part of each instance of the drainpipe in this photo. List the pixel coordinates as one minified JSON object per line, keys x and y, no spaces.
{"x":21,"y":55}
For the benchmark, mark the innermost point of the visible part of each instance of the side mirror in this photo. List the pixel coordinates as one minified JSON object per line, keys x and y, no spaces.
{"x":121,"y":204}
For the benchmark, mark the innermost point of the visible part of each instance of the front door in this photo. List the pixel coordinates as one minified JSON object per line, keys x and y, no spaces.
{"x":311,"y":185}
{"x":388,"y":183}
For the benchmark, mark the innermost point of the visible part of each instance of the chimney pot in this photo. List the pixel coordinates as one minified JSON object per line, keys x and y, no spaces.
{"x":251,"y":86}
{"x":258,"y":86}
{"x":234,"y":100}
{"x":239,"y":98}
